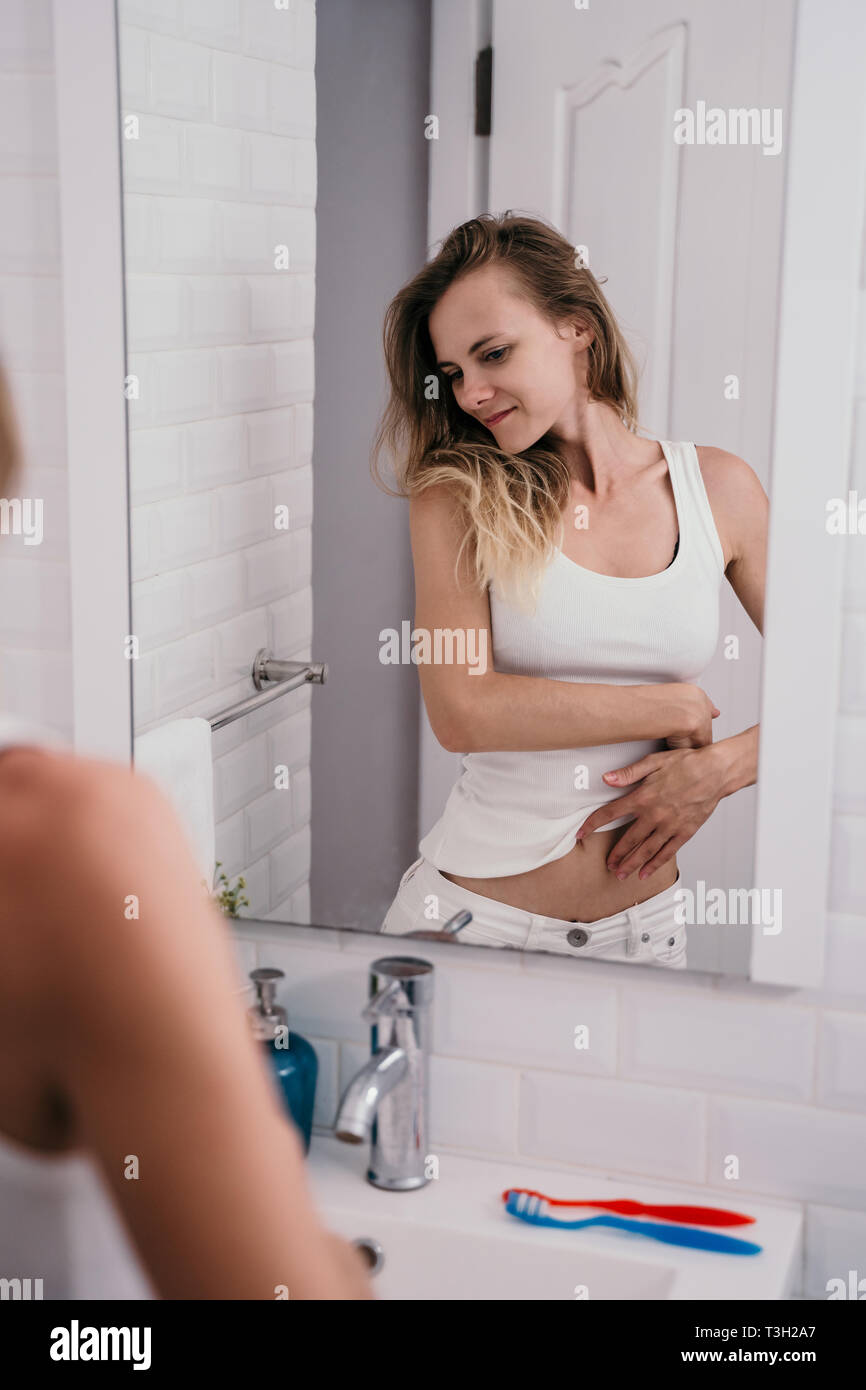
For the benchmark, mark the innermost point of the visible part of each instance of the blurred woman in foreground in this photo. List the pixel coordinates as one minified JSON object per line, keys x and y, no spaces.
{"x":106,"y":1051}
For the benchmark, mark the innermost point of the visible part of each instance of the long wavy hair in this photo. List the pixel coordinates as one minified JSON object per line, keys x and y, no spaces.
{"x":10,"y":439}
{"x":512,"y":504}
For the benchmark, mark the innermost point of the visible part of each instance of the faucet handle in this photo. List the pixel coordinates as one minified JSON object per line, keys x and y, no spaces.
{"x":450,"y":929}
{"x":382,"y":1003}
{"x":457,"y":922}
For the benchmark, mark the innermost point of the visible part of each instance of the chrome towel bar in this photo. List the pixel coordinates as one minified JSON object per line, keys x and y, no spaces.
{"x":285,"y":675}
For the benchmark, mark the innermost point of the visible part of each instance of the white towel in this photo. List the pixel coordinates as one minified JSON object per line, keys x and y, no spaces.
{"x":179,"y":758}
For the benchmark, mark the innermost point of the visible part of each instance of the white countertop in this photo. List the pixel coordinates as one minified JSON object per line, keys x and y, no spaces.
{"x":466,"y":1199}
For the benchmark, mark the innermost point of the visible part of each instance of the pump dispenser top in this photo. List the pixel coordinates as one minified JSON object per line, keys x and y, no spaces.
{"x":267,"y":1016}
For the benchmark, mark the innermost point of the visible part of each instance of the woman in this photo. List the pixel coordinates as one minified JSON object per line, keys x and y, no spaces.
{"x":125,"y":1042}
{"x":513,"y":410}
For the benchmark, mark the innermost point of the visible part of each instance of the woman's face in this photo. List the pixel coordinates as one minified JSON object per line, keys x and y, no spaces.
{"x":501,"y":355}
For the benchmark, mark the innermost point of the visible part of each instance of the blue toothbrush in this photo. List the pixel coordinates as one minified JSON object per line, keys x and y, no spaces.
{"x":532,"y":1209}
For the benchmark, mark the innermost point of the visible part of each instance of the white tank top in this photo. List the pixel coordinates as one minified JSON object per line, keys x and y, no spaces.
{"x":510,"y":812}
{"x":58,"y":1220}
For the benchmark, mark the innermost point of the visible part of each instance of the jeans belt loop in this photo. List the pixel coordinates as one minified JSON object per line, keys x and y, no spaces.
{"x":536,"y":926}
{"x":635,"y":929}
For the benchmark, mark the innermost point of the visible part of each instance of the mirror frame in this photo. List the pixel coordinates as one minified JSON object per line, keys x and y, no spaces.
{"x":795,"y":800}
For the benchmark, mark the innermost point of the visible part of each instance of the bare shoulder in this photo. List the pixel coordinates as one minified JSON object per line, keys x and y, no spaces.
{"x":438,"y":508}
{"x":77,"y":835}
{"x":440,"y":533}
{"x":736,"y":495}
{"x":48,"y":796}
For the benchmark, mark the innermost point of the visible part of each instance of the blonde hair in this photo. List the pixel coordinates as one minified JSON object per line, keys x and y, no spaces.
{"x":512,"y":503}
{"x":10,"y":440}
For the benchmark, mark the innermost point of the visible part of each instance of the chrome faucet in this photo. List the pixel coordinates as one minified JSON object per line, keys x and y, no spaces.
{"x":386,"y":1101}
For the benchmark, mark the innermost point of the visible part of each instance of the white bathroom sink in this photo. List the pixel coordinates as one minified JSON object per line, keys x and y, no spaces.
{"x":454,"y":1240}
{"x":428,"y":1262}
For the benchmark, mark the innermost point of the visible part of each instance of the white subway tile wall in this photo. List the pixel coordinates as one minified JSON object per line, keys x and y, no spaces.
{"x":219,"y":158}
{"x":35,"y":632}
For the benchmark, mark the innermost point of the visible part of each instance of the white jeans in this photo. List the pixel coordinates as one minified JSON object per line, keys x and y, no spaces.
{"x":646,"y":934}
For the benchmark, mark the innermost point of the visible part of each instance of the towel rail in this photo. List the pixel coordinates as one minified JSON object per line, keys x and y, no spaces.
{"x":285,"y":675}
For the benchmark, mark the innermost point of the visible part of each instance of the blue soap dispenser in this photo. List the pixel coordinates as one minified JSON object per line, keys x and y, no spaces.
{"x":292,"y":1061}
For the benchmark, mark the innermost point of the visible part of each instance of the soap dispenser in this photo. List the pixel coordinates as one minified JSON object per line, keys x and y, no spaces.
{"x":290,"y":1057}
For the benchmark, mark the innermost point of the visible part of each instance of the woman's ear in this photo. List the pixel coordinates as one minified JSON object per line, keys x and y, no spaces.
{"x":584,"y":334}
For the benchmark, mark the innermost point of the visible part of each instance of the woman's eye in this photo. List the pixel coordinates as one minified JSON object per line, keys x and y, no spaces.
{"x":489,"y":357}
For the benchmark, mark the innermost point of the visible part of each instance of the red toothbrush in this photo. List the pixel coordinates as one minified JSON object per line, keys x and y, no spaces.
{"x":690,"y":1216}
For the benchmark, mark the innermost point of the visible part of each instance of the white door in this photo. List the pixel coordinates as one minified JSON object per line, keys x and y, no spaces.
{"x":685,"y":236}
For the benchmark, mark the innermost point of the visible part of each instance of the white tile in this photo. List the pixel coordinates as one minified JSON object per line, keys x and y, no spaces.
{"x":292,"y":103}
{"x":270,"y":32}
{"x":846,"y":891}
{"x":849,"y":783}
{"x":852,"y":693}
{"x":290,"y":863}
{"x":155,"y":464}
{"x":240,"y":777}
{"x":152,"y":153}
{"x":473,"y":1105}
{"x":719,"y":1045}
{"x":215,"y":592}
{"x":835,"y":1250}
{"x":217,"y":310}
{"x":240,"y":92}
{"x":841,"y":1055}
{"x":272,"y":439}
{"x":159,"y":609}
{"x":215,"y":22}
{"x":799,"y":1151}
{"x":237,"y":642}
{"x":179,"y":78}
{"x":615,"y":1125}
{"x":245,"y":514}
{"x":569,"y":1027}
{"x":214,"y":161}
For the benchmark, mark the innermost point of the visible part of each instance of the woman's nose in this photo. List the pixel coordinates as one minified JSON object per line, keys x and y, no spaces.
{"x":475,"y":393}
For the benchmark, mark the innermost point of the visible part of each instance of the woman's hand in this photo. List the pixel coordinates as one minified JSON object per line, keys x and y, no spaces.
{"x":696,"y":720}
{"x":677,"y":791}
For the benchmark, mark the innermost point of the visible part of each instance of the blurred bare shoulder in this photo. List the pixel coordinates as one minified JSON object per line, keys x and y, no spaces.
{"x":77,"y":834}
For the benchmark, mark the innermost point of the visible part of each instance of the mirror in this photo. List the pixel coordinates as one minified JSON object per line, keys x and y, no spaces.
{"x":282,"y":183}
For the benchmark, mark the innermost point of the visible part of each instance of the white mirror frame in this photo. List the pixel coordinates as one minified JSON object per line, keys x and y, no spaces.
{"x":815,"y":379}
{"x":812,"y":437}
{"x":91,"y":239}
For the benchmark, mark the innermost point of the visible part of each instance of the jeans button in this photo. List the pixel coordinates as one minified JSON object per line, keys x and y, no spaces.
{"x":577,"y":937}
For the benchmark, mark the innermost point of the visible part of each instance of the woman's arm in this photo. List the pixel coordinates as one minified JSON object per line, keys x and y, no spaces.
{"x":491,"y":710}
{"x":131,"y":976}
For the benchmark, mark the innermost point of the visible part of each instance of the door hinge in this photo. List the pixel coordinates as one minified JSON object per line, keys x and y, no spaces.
{"x":483,"y":90}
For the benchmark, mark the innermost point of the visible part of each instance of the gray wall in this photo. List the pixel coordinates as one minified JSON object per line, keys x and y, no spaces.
{"x":372,"y":75}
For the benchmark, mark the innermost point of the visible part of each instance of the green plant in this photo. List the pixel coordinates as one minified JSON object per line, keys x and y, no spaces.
{"x":228,"y":899}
